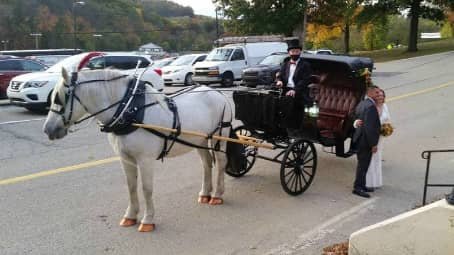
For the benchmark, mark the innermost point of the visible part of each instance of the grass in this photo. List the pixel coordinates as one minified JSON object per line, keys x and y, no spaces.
{"x":424,"y":48}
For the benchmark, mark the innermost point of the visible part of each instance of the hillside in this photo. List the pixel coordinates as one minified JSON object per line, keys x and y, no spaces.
{"x":123,"y":24}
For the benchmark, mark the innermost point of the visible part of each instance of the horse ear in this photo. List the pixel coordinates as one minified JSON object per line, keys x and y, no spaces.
{"x":65,"y":75}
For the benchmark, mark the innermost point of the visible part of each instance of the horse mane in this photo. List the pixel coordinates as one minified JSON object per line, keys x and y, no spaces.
{"x":111,"y":74}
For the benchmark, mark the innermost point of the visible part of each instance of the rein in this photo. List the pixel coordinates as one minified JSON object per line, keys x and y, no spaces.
{"x":59,"y":108}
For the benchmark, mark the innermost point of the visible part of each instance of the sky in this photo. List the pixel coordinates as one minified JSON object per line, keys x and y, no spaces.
{"x":200,"y":7}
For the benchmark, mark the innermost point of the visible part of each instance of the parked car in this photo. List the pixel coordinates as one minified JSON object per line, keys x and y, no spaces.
{"x":11,"y":67}
{"x":180,"y":71}
{"x":225,"y":64}
{"x":163,"y":62}
{"x":320,"y":52}
{"x":49,"y":60}
{"x":33,"y":90}
{"x":265,"y":72}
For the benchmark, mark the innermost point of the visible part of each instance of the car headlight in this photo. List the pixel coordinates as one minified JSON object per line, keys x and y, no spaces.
{"x":213,"y":68}
{"x":35,"y":84}
{"x":176,"y":71}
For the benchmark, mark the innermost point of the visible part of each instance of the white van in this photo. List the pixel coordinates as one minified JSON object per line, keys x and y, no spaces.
{"x":225,"y":64}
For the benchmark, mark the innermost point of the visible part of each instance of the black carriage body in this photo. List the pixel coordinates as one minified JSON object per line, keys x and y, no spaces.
{"x":337,"y":90}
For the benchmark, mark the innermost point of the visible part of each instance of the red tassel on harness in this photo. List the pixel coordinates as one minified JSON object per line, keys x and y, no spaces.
{"x":87,"y":58}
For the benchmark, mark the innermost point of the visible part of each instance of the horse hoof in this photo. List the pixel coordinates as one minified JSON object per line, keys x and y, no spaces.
{"x":125,"y":222}
{"x":146,"y":227}
{"x":216,"y":201}
{"x":204,"y":199}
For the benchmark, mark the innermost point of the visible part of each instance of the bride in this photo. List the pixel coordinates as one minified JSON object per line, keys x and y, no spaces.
{"x":374,"y":173}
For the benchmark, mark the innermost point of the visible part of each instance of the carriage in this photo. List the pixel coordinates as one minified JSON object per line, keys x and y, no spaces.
{"x":338,"y":86}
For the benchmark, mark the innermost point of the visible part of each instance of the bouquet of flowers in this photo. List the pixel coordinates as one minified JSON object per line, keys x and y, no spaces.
{"x":386,"y":129}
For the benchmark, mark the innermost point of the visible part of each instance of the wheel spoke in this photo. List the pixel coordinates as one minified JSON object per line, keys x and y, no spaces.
{"x":295,"y":183}
{"x":289,"y":179}
{"x":307,"y":154}
{"x":294,"y":180}
{"x":305,"y":148}
{"x":288,"y":173}
{"x":306,"y":161}
{"x":310,"y":175}
{"x":305,"y":180}
{"x":300,"y":186}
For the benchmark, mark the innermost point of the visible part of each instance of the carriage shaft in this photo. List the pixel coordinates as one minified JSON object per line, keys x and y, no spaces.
{"x":199,"y":134}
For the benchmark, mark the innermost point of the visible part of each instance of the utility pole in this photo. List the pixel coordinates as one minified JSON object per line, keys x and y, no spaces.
{"x":36,"y":35}
{"x":76,"y":3}
{"x":217,"y":27}
{"x":5,"y":44}
{"x":96,"y":36}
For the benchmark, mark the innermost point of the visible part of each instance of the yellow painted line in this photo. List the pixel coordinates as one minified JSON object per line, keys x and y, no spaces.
{"x":420,"y":91}
{"x":58,"y":171}
{"x":113,"y":159}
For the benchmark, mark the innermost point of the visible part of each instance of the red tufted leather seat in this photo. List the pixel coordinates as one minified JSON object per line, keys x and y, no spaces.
{"x":336,"y":103}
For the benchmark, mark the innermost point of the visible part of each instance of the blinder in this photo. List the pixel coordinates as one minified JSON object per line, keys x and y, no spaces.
{"x":59,"y":107}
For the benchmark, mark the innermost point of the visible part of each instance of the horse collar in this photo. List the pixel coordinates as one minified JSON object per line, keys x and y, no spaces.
{"x":130,"y":110}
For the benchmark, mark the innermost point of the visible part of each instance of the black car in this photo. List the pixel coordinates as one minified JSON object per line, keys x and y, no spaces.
{"x":265,"y":72}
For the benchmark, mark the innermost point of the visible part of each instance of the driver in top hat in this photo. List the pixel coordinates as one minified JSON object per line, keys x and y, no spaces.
{"x":295,"y":74}
{"x":294,"y":78}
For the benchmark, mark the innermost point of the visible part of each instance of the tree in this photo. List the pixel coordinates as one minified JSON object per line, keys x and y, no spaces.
{"x":429,"y":9}
{"x":374,"y":36}
{"x":447,"y":30}
{"x":317,"y":34}
{"x":257,"y":17}
{"x":340,"y":13}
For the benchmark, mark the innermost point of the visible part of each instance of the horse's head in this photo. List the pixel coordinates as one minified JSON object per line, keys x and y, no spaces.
{"x":65,"y":107}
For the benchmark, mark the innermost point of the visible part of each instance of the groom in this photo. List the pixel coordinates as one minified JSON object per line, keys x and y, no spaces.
{"x":366,"y":138}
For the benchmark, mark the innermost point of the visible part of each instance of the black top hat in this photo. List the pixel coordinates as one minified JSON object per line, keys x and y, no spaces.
{"x":294,"y":44}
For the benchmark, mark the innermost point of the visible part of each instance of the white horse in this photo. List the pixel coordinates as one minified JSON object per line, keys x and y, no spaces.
{"x":203,"y":109}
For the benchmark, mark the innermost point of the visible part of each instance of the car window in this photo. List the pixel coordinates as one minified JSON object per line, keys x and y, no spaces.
{"x":126,"y":62}
{"x":323,"y":52}
{"x":201,"y":58}
{"x":219,"y":54}
{"x":31,"y":66}
{"x":238,"y":55}
{"x":118,"y":62}
{"x":182,"y":60}
{"x":97,"y":63}
{"x":273,"y":59}
{"x":10,"y":65}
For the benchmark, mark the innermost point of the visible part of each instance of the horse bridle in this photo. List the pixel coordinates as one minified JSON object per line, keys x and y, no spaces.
{"x":59,"y":107}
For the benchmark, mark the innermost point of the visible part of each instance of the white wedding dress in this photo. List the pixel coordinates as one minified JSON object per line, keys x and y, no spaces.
{"x":374,"y":173}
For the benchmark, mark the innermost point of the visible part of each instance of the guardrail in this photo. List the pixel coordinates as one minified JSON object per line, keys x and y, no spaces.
{"x":427,"y":155}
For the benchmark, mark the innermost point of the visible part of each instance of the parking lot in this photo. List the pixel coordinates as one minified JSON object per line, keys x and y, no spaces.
{"x":67,"y":196}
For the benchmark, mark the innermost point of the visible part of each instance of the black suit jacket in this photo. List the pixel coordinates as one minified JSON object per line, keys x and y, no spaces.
{"x":368,"y":134}
{"x":301,"y":78}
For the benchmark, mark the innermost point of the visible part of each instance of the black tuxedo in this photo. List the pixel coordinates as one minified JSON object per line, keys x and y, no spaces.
{"x":292,"y":108}
{"x":364,"y":138}
{"x":301,"y":79}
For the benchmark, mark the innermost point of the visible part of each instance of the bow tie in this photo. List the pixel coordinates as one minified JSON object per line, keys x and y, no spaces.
{"x":292,"y":63}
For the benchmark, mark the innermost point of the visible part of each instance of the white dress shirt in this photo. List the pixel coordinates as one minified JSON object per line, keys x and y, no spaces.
{"x":290,"y":83}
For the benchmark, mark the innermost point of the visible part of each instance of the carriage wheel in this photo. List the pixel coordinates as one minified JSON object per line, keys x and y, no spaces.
{"x":298,"y":167}
{"x":241,"y":157}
